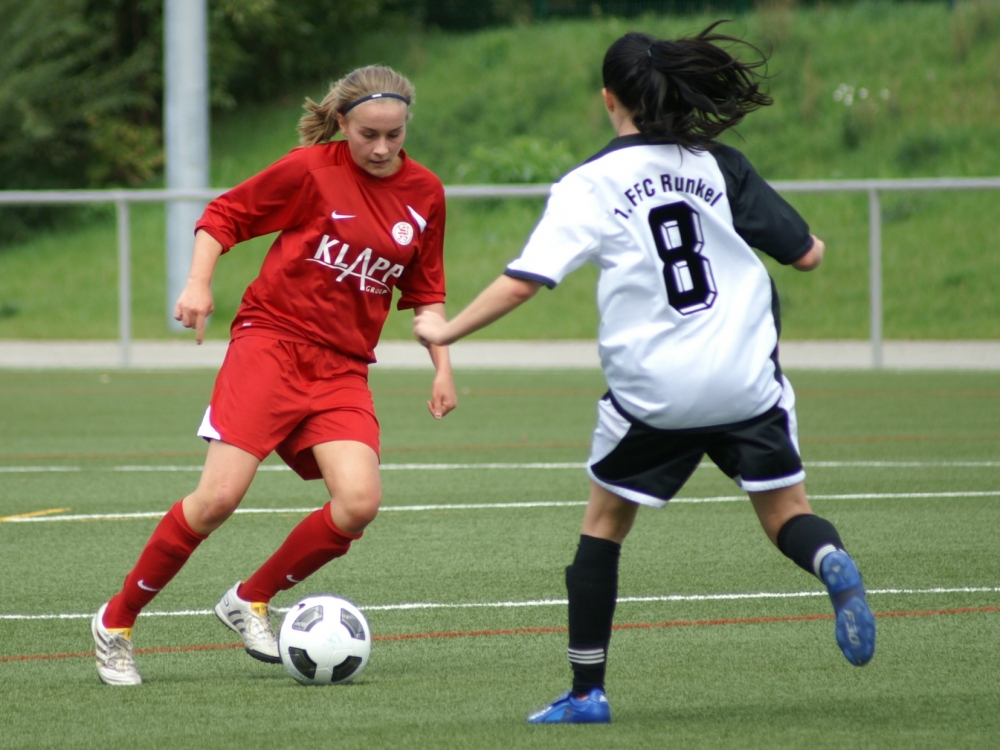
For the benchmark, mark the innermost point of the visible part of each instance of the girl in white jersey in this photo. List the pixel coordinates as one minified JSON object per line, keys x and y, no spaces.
{"x":688,"y":335}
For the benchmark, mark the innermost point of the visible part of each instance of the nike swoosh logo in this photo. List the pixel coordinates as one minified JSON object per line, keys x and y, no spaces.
{"x":144,"y":587}
{"x":289,"y":577}
{"x":335,"y":215}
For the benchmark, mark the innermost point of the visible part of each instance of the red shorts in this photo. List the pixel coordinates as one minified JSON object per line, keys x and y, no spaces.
{"x":273,"y":395}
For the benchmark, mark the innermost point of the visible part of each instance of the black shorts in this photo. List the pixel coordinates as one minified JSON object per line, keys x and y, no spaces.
{"x":648,"y":465}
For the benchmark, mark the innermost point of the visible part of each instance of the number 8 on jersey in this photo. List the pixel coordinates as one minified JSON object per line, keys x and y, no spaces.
{"x":677,"y":233}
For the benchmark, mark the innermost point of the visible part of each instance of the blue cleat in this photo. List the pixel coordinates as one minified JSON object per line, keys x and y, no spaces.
{"x":593,"y":709}
{"x":855,"y":626}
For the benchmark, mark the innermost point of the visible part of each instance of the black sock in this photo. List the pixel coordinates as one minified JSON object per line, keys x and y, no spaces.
{"x":592,"y":583}
{"x":803,"y":536}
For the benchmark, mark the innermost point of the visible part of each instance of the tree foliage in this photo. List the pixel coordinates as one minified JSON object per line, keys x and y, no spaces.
{"x":81,"y":82}
{"x":259,"y":47}
{"x":76,"y":107}
{"x":74,"y":110}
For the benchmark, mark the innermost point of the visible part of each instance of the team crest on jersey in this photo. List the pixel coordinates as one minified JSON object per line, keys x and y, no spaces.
{"x":403,"y":233}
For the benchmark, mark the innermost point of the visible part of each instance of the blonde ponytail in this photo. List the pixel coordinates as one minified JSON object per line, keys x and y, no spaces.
{"x":319,"y":123}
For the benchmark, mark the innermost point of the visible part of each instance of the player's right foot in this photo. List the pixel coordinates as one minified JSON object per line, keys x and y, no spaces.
{"x":251,"y":621}
{"x":593,"y":708}
{"x":115,"y":664}
{"x":855,"y":626}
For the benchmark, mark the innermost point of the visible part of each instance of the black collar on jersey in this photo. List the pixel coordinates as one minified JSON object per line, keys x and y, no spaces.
{"x":364,"y":99}
{"x":623,"y":141}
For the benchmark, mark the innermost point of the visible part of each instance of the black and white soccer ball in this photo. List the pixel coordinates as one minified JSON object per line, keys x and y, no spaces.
{"x":324,"y":640}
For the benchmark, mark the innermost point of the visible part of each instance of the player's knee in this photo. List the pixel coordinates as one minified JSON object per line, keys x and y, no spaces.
{"x":214,"y":506}
{"x":354,"y":509}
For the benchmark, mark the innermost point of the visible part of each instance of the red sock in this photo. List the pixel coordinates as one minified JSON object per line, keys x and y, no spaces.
{"x":164,"y":555}
{"x":310,"y":546}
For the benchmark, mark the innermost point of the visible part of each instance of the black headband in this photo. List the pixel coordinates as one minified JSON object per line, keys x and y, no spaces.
{"x":364,"y":99}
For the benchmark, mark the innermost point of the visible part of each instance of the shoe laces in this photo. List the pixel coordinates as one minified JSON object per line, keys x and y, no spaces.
{"x":258,"y":621}
{"x":119,"y":651}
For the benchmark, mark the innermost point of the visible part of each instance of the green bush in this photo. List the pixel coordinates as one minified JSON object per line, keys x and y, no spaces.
{"x":518,"y":160}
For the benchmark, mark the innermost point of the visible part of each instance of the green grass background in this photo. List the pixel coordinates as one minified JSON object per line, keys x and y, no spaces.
{"x":528,"y":97}
{"x":933,"y":683}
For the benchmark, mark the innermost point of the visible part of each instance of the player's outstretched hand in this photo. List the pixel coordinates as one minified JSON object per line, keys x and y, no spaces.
{"x":193,"y":307}
{"x":429,"y":328}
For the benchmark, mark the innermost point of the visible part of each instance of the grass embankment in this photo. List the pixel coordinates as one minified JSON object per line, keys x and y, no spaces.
{"x":915,"y":83}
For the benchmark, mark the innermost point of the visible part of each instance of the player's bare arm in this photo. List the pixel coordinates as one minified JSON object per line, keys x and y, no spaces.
{"x":495,"y":301}
{"x":443,"y":395}
{"x":196,"y":303}
{"x":811,"y":260}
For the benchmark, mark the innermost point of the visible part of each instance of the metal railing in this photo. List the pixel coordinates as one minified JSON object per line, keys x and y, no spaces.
{"x":123,"y":198}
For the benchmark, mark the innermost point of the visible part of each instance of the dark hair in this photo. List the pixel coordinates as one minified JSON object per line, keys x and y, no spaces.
{"x":686,"y":91}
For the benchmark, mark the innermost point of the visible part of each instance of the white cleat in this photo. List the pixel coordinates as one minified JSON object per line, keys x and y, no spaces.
{"x":115,"y":663}
{"x":251,"y":621}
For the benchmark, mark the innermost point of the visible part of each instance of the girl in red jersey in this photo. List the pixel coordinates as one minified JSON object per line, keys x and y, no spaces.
{"x":357,"y":218}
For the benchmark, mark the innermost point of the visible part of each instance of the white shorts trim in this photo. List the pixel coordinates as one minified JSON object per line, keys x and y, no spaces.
{"x":771,"y":484}
{"x":206,"y":430}
{"x":611,"y":428}
{"x":787,"y":402}
{"x":634,"y":496}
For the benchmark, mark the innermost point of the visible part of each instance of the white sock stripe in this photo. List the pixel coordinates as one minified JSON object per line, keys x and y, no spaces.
{"x":596,"y":656}
{"x":820,"y":555}
{"x":588,"y":662}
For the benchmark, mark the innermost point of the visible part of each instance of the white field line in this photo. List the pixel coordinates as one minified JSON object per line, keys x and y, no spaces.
{"x":515,"y":466}
{"x":894,"y":464}
{"x":289,"y":511}
{"x":409,"y":606}
{"x":500,"y":506}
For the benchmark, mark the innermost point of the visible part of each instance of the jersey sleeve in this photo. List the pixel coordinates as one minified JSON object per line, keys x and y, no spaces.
{"x":566,"y":237}
{"x":760,"y":216}
{"x":270,"y":201}
{"x":422,"y":282}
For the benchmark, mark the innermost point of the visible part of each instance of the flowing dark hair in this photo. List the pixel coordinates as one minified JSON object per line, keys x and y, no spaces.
{"x":686,"y":91}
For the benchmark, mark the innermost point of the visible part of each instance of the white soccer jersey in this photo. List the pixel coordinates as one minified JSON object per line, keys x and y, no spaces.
{"x":689,"y":317}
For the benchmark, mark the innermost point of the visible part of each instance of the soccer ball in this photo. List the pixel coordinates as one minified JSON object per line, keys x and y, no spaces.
{"x":324,"y":640}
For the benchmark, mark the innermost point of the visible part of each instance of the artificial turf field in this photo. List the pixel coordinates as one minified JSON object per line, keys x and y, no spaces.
{"x":722,"y":642}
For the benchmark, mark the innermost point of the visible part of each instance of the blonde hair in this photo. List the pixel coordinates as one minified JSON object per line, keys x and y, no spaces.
{"x":319,"y":123}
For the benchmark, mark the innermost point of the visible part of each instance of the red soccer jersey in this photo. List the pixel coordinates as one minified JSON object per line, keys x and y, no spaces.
{"x":347,"y":240}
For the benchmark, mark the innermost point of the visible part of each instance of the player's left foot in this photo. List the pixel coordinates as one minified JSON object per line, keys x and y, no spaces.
{"x":113,"y":648}
{"x":593,"y":708}
{"x":855,"y":627}
{"x":252,"y":621}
